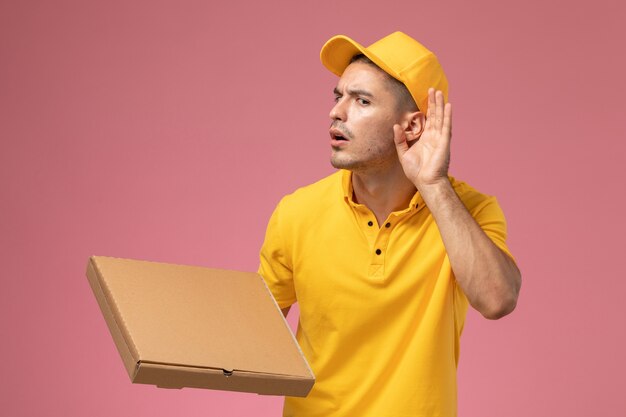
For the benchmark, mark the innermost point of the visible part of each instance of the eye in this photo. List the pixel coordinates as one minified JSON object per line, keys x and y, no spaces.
{"x":362,"y":101}
{"x":336,"y":98}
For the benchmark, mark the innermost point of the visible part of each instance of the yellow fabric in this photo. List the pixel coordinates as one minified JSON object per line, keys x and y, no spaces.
{"x":398,"y":55}
{"x":381,"y":332}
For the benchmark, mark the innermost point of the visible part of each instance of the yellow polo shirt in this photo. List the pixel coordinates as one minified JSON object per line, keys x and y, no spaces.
{"x":381,"y":314}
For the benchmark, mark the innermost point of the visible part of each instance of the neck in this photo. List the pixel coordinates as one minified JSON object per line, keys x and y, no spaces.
{"x":383,"y":191}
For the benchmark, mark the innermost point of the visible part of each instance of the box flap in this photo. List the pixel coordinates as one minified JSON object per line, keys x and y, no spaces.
{"x":167,"y":376}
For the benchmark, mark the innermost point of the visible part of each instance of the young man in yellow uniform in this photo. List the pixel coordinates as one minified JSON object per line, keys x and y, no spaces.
{"x":384,"y":255}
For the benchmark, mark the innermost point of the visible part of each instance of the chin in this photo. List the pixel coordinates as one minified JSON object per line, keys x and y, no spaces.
{"x":340,"y":163}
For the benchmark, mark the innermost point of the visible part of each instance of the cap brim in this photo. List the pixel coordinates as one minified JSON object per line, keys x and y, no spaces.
{"x":337,"y":53}
{"x":339,"y":50}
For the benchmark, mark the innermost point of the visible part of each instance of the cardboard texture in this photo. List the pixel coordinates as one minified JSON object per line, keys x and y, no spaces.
{"x":181,"y":326}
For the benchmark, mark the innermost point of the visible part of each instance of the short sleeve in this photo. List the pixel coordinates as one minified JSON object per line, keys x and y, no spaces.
{"x":491,"y":219}
{"x":276,"y":266}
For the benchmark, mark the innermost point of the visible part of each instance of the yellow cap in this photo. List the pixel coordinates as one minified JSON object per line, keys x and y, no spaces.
{"x":399,"y":55}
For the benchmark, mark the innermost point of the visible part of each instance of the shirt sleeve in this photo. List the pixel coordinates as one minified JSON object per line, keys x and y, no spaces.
{"x":491,"y":219}
{"x":276,"y":266}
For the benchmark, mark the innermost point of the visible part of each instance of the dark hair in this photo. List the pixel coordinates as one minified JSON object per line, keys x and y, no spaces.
{"x":404,"y":99}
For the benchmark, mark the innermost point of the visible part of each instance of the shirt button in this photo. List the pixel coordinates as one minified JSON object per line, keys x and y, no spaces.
{"x":378,"y":251}
{"x":388,"y":225}
{"x":370,"y":223}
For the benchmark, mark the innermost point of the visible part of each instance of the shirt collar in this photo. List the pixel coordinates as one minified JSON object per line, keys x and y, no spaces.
{"x":348,"y":192}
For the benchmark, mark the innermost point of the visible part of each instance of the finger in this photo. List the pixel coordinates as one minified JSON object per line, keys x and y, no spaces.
{"x":438,"y":110}
{"x":447,"y":120}
{"x":399,"y":139}
{"x":430,"y":113}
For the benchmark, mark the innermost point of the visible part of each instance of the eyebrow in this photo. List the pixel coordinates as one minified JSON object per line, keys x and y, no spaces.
{"x":354,"y":92}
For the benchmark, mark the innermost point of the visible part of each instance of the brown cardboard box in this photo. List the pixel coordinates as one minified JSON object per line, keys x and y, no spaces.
{"x":185,"y":326}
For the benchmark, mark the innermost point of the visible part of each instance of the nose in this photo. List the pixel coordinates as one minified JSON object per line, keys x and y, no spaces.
{"x":338,"y":112}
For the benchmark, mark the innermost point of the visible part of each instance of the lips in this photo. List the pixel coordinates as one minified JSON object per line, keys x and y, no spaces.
{"x":337,"y":135}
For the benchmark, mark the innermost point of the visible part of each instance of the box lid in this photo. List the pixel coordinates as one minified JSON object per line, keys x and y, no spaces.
{"x":179,"y":319}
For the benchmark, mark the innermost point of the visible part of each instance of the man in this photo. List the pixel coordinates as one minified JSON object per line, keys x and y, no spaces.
{"x":384,"y":255}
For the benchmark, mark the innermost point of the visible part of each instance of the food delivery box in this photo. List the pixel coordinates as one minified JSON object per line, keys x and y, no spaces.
{"x":181,"y":326}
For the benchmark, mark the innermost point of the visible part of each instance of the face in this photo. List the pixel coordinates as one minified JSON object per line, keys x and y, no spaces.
{"x":363,"y":116}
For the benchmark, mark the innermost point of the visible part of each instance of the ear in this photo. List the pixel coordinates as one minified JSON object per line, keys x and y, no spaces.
{"x":414,"y":125}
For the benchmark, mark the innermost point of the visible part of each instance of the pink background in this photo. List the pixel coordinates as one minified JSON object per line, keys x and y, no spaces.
{"x":168,"y":130}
